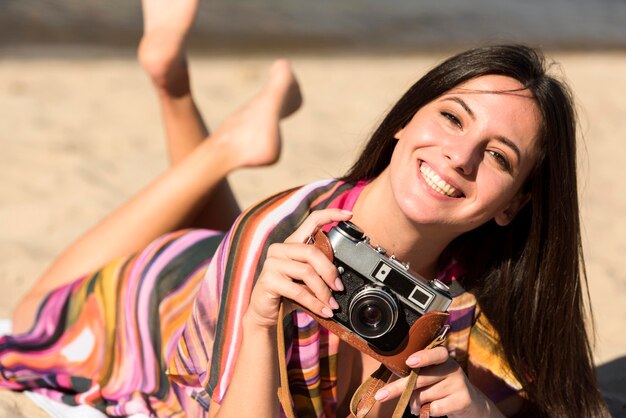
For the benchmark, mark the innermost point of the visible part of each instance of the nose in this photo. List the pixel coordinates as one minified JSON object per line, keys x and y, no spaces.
{"x":462,"y":154}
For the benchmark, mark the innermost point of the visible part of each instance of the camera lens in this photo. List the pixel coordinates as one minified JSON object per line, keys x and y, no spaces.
{"x":370,"y":315}
{"x":373,"y":311}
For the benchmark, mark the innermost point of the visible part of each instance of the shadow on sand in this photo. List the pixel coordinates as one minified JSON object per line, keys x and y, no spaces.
{"x":612,"y":380}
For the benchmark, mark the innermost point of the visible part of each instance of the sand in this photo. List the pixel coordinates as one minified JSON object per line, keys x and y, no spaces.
{"x":80,"y":133}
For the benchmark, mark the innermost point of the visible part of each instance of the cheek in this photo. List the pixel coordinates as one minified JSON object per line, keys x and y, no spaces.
{"x":407,"y":145}
{"x":401,"y":153}
{"x":498,"y":191}
{"x":421,"y":128}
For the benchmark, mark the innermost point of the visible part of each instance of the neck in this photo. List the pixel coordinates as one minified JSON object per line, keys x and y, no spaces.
{"x":388,"y":227}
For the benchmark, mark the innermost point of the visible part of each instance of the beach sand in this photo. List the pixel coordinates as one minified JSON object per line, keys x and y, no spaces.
{"x":80,"y":133}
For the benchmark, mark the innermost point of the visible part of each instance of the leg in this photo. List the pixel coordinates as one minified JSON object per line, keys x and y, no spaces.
{"x":250,"y":137}
{"x":162,"y":53}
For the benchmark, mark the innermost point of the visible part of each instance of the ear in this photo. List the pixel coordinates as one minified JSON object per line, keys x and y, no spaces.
{"x":398,"y":134}
{"x":508,"y":214}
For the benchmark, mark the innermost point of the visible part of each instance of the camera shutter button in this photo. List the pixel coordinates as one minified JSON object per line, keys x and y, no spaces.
{"x":380,"y":250}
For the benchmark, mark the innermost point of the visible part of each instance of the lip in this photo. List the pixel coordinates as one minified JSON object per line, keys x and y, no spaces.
{"x":446,"y":179}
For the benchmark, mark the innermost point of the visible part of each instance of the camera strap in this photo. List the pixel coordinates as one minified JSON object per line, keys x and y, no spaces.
{"x":283,"y":389}
{"x":363,"y":399}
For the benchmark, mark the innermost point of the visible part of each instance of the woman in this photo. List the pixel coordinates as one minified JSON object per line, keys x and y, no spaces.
{"x":465,"y":169}
{"x":471,"y":177}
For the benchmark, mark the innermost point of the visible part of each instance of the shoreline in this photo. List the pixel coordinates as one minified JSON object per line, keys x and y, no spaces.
{"x":100,"y":51}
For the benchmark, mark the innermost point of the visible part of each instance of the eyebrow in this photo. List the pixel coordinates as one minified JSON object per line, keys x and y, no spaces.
{"x":504,"y":140}
{"x":463,"y":105}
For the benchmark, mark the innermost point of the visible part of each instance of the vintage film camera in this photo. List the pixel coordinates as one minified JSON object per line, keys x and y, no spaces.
{"x":382,"y":298}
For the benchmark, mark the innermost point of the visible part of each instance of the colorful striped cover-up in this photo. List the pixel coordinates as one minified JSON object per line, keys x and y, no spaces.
{"x":158,"y":332}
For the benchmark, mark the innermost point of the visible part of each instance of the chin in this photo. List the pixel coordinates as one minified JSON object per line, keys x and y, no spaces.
{"x":413,"y":208}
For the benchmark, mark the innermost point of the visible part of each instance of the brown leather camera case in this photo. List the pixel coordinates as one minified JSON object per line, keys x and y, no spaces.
{"x":421,"y":333}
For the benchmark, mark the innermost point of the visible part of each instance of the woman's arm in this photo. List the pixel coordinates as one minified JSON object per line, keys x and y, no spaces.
{"x":255,"y":380}
{"x":294,"y":271}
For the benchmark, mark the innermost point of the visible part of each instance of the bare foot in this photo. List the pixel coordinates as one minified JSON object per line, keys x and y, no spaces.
{"x":252,"y":133}
{"x":161,"y":51}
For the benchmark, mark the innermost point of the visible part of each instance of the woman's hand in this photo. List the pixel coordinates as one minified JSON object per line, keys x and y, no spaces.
{"x":442,"y":383}
{"x":298,"y":272}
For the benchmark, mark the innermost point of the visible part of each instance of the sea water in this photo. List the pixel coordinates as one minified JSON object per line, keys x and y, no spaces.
{"x":359,"y":24}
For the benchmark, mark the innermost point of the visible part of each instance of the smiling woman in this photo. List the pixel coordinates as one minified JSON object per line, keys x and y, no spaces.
{"x":479,"y":140}
{"x":500,"y":124}
{"x":471,"y":178}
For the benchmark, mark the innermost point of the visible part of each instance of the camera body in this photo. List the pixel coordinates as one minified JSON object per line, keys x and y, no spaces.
{"x":382,"y":298}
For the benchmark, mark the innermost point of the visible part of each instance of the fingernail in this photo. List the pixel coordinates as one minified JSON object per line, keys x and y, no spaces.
{"x":381,"y":395}
{"x":413,"y":361}
{"x":346,"y":212}
{"x":339,"y":284}
{"x":333,"y":303}
{"x":327,"y":312}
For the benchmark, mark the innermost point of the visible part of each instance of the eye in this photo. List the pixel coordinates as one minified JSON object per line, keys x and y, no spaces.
{"x":501,"y":160}
{"x":452,"y":119}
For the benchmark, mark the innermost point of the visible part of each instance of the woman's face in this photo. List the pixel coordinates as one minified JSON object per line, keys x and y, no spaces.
{"x":463,"y":158}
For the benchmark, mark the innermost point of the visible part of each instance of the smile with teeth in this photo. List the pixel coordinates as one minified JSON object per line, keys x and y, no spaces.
{"x":437,"y":183}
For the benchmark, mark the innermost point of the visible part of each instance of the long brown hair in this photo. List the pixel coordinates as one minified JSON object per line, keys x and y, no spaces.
{"x":529,"y":277}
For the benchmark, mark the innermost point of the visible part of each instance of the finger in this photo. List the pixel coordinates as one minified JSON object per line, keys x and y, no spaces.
{"x":428,"y":357}
{"x":313,"y":281}
{"x":316,"y":220}
{"x":427,"y":378}
{"x":415,"y":404}
{"x":445,"y":398}
{"x":303,"y":296}
{"x":311,"y":255}
{"x":392,"y":390}
{"x":453,"y":393}
{"x":313,"y":286}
